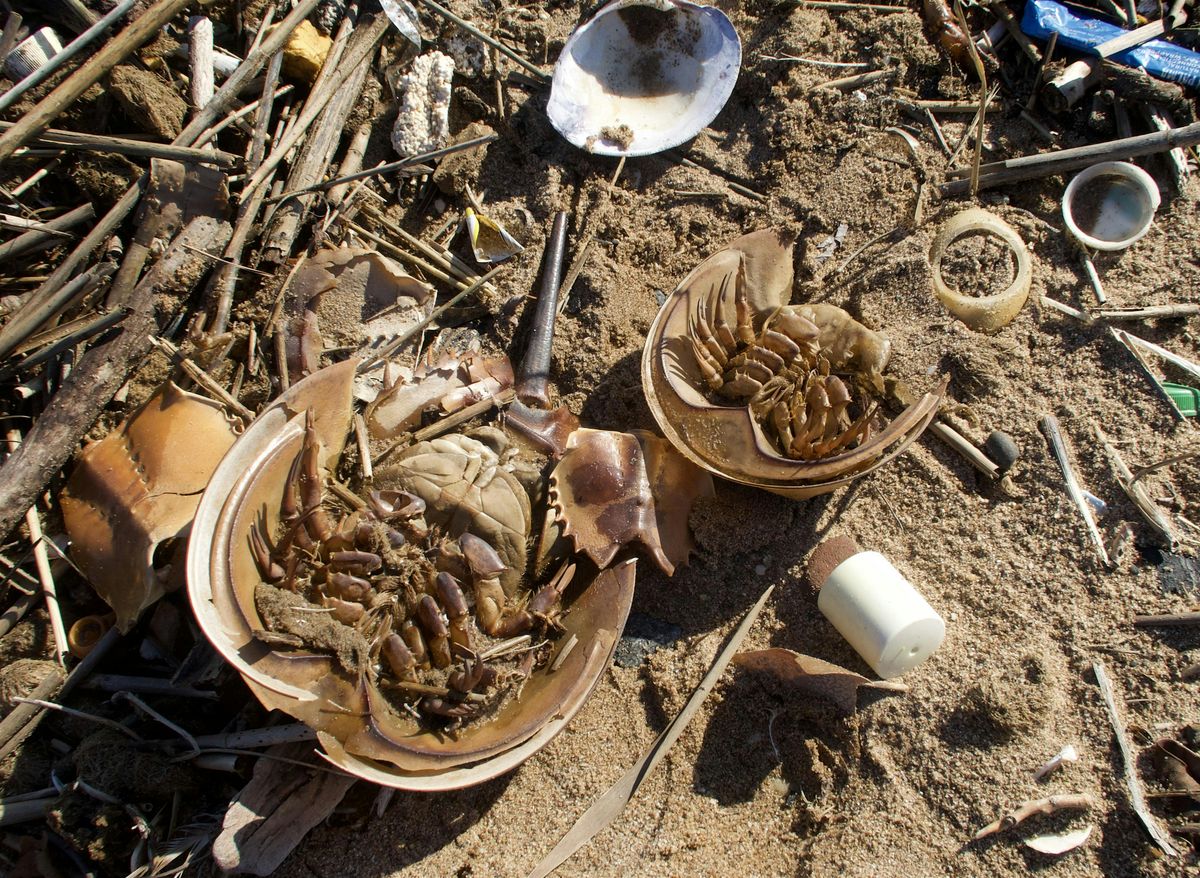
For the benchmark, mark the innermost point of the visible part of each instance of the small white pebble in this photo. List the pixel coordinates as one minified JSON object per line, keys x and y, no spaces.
{"x":760,"y":570}
{"x":954,"y":617}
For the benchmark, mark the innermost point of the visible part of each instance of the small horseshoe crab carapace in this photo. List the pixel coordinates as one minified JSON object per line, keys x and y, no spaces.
{"x":768,"y":394}
{"x":394,"y":624}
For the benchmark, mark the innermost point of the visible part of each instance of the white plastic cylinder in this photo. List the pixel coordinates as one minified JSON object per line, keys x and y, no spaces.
{"x":880,"y":614}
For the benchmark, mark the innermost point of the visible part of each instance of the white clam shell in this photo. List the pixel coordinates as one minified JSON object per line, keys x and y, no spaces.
{"x":643,"y":76}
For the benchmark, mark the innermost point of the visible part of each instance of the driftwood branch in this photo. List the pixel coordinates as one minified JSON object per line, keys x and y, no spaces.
{"x":1048,"y":805}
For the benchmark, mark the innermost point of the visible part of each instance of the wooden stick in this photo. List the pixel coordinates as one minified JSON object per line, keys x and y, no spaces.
{"x":62,"y":338}
{"x":24,"y":718}
{"x":318,"y":149}
{"x":202,"y":378}
{"x":391,"y":347}
{"x":1064,"y":308}
{"x":79,"y":141}
{"x":1125,"y":339}
{"x":1136,"y":796}
{"x":1048,"y":805}
{"x":1001,"y":10}
{"x":1058,"y":444}
{"x":115,"y":51}
{"x":354,"y":57}
{"x":1166,"y":619}
{"x":842,"y":6}
{"x":1140,"y":497}
{"x":1140,"y":35}
{"x":1143,"y":471}
{"x":39,"y":239}
{"x":1051,"y":163}
{"x":1151,"y":312}
{"x":389,"y":167}
{"x":10,"y":36}
{"x":35,"y":313}
{"x":103,"y":369}
{"x":85,"y":39}
{"x":857,"y":80}
{"x":229,"y":91}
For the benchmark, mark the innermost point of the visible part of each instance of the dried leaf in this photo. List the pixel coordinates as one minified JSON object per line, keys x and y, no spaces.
{"x":1055,"y":845}
{"x":813,"y":676}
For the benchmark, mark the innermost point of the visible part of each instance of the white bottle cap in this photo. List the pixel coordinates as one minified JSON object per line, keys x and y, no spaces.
{"x":880,"y":614}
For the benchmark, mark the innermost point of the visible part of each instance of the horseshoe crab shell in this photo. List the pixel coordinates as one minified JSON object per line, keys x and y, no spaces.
{"x":357,"y":731}
{"x":725,"y":439}
{"x":643,"y":76}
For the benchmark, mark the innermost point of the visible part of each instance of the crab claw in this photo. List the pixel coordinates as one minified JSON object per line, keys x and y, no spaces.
{"x":271,"y":570}
{"x":396,"y":504}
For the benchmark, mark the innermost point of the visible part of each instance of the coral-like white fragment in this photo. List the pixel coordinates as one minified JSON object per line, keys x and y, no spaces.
{"x":424,"y":120}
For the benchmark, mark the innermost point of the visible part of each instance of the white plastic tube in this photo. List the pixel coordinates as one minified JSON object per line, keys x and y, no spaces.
{"x":880,"y":614}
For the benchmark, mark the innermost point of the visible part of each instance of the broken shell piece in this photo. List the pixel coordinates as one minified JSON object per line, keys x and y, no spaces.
{"x":137,"y":487}
{"x":1054,"y":845}
{"x":1065,"y":755}
{"x":981,"y":313}
{"x":450,"y":381}
{"x":643,"y":76}
{"x":607,"y":490}
{"x":490,"y":241}
{"x":359,"y":296}
{"x":423,"y":123}
{"x":32,"y":53}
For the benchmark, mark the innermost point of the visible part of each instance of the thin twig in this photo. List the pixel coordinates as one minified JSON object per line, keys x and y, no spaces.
{"x":491,"y":41}
{"x":1058,"y":444}
{"x":393,"y":346}
{"x":1136,"y":796}
{"x":202,"y":378}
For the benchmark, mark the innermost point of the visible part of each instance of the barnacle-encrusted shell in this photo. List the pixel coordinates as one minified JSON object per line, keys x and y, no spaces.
{"x":725,"y":438}
{"x":643,"y":76}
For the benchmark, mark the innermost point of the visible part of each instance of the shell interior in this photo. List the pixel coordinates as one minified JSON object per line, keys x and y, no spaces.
{"x":643,"y":77}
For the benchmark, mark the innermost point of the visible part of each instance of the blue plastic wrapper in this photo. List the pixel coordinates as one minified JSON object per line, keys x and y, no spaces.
{"x":1157,"y":57}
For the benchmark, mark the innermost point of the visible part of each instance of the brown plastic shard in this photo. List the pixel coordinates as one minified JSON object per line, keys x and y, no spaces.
{"x":137,"y":487}
{"x":611,"y":489}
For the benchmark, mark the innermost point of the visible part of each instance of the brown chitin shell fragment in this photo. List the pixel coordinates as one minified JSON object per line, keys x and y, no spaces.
{"x":611,"y":489}
{"x":359,"y":295}
{"x":137,"y":487}
{"x":449,"y":380}
{"x":734,"y":306}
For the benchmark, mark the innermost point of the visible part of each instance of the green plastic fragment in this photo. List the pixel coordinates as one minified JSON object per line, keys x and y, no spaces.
{"x":1187,"y":398}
